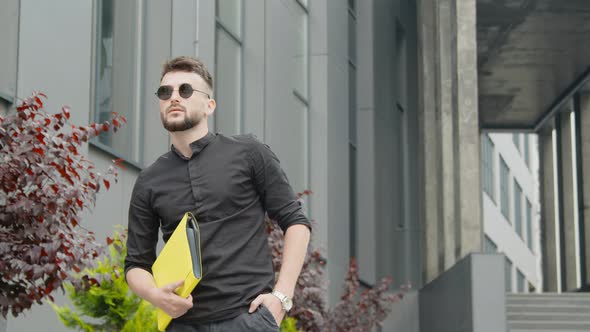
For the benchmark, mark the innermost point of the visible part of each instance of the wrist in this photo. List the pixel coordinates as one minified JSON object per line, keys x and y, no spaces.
{"x":286,"y":301}
{"x":288,"y":291}
{"x":152,"y":296}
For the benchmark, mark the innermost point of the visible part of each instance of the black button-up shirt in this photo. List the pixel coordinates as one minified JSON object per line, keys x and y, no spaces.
{"x":228,"y":183}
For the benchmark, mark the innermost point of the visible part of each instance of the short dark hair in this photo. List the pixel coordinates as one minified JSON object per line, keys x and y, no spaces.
{"x":188,"y":64}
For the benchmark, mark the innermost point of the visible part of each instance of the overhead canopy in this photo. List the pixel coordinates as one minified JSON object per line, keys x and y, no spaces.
{"x":531,"y":54}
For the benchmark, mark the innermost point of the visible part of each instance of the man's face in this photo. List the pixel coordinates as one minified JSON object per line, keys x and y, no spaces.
{"x":178,"y":113}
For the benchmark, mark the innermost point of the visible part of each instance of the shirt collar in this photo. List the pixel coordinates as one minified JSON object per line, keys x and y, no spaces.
{"x":196,"y":146}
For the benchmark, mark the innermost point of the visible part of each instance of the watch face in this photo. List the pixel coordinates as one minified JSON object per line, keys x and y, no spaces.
{"x":288,"y":304}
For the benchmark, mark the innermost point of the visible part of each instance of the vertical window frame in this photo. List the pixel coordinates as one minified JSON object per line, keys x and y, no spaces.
{"x":505,"y":190}
{"x":133,"y":131}
{"x":488,"y":158}
{"x":238,"y":38}
{"x":352,"y":135}
{"x":517,"y":204}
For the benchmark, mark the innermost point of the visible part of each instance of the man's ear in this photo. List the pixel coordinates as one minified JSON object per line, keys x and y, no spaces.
{"x":211,"y":105}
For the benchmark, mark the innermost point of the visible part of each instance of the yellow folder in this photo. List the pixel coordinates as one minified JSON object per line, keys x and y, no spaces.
{"x":180,"y":259}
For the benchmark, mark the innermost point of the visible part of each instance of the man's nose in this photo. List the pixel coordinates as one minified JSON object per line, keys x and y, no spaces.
{"x":175,"y":96}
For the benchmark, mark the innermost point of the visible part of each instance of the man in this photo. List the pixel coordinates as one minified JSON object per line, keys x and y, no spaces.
{"x":227,"y":183}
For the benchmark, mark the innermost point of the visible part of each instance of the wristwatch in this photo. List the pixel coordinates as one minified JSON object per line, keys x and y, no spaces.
{"x":285,"y":300}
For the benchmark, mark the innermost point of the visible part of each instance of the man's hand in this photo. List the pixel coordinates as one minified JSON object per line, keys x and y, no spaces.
{"x":273,"y":304}
{"x":172,"y":304}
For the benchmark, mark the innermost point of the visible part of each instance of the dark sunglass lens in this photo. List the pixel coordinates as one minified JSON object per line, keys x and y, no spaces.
{"x":185,"y":90}
{"x":164,"y":92}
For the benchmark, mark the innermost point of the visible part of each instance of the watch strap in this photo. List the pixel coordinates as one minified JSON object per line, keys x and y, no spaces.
{"x":283,"y":298}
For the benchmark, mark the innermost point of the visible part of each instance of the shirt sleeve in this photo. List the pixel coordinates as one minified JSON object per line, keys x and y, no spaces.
{"x":274,"y":189}
{"x":143,"y":226}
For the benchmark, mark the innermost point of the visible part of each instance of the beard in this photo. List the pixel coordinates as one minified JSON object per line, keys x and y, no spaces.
{"x":187,"y":122}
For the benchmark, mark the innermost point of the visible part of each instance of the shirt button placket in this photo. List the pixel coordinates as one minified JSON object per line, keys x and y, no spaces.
{"x":192,"y":172}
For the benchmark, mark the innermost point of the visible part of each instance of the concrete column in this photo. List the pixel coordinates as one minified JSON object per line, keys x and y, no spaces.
{"x":548,"y":234}
{"x":584,"y":189}
{"x":447,"y":134}
{"x":429,"y":209}
{"x":468,"y":146}
{"x":568,"y":204}
{"x":451,"y":184}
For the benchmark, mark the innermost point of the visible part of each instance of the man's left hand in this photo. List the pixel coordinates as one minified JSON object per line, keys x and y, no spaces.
{"x":273,"y":304}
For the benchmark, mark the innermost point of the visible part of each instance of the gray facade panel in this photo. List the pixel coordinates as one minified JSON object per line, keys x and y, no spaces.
{"x":396,"y":140}
{"x":9,"y":16}
{"x":54,"y":58}
{"x":156,"y":50}
{"x":285,"y":120}
{"x":489,"y":300}
{"x":254,"y":68}
{"x":184,"y":27}
{"x":338,"y":174}
{"x":329,"y":133}
{"x":405,"y":316}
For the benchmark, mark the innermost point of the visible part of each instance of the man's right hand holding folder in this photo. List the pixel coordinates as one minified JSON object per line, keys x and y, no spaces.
{"x":181,"y":256}
{"x":164,"y":297}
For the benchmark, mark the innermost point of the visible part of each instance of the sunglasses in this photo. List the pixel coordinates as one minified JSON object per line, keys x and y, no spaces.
{"x":185,"y":90}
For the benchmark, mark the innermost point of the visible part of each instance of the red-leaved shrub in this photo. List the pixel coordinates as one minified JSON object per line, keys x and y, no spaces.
{"x":45,"y":184}
{"x":354,"y":312}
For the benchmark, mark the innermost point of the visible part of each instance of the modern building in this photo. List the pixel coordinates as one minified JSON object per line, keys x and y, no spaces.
{"x":377,"y":106}
{"x":511,"y":209}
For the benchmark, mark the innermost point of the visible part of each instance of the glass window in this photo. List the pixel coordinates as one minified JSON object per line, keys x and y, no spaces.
{"x":296,"y":163}
{"x":488,"y":166}
{"x":5,"y":104}
{"x":526,"y":151}
{"x":301,"y":56}
{"x":300,"y":119}
{"x":351,"y":4}
{"x":104,"y":75}
{"x":518,"y":208}
{"x":529,"y":224}
{"x":516,"y":140}
{"x":229,"y":12}
{"x":116,"y":78}
{"x":504,"y":193}
{"x":520,"y":281}
{"x":508,"y":274}
{"x":228,"y":67}
{"x":401,"y":63}
{"x":489,"y":246}
{"x":228,"y":87}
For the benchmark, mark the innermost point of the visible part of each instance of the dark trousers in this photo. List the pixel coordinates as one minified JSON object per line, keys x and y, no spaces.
{"x":260,"y":320}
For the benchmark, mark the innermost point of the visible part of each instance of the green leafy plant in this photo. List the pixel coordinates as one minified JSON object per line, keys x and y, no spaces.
{"x":106,"y":303}
{"x":289,"y":324}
